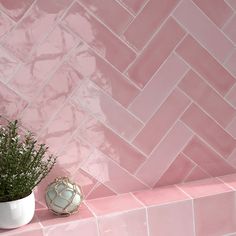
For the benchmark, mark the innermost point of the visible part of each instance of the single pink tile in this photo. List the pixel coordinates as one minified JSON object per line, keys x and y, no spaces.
{"x":126,"y":223}
{"x":232,"y":3}
{"x":111,"y":145}
{"x":74,"y":153}
{"x":11,"y":104}
{"x":118,"y":203}
{"x":198,"y":90}
{"x":49,"y":100}
{"x":8,"y":65}
{"x":86,"y":227}
{"x":157,"y":90}
{"x":171,"y":219}
{"x":231,"y":96}
{"x":207,"y":158}
{"x":92,"y":66}
{"x":107,"y":110}
{"x":148,"y":21}
{"x":205,"y":187}
{"x":218,"y":11}
{"x":111,"y":174}
{"x":98,"y":37}
{"x":231,"y":63}
{"x":230,"y":180}
{"x":134,"y":5}
{"x":15,"y":9}
{"x":100,"y":191}
{"x":196,"y":174}
{"x":230,"y":30}
{"x":206,"y":65}
{"x":60,"y":129}
{"x":160,"y":196}
{"x":5,"y":24}
{"x":47,"y":218}
{"x":215,"y":215}
{"x":160,"y":123}
{"x":33,"y":228}
{"x":232,"y":128}
{"x":209,"y":130}
{"x":84,"y":180}
{"x":203,"y":29}
{"x":155,"y":53}
{"x":163,"y":155}
{"x":34,"y":26}
{"x":179,"y":169}
{"x":111,"y":13}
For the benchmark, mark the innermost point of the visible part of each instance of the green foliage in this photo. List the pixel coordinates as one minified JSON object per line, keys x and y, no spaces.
{"x":23,"y":163}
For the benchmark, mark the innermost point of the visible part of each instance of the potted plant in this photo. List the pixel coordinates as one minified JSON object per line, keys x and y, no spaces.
{"x":23,"y":164}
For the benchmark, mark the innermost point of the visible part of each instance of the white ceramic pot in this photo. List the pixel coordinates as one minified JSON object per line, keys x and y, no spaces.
{"x":17,"y":213}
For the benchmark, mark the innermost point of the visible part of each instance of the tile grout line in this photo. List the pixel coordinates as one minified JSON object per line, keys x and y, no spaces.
{"x":125,"y":8}
{"x":226,"y":2}
{"x":228,"y":185}
{"x":222,"y":28}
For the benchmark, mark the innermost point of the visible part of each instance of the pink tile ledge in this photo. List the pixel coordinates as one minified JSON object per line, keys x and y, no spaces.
{"x":229,"y":180}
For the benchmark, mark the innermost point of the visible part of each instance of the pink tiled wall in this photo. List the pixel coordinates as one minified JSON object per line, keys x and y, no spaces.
{"x":131,"y":94}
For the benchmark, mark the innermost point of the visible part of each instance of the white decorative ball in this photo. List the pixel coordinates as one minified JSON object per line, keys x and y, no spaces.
{"x":63,"y":197}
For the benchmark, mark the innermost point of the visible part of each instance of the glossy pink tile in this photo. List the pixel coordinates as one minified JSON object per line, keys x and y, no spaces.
{"x":5,"y":24}
{"x":148,"y":21}
{"x":100,"y":191}
{"x":157,"y":90}
{"x":49,"y":100}
{"x":229,"y":180}
{"x":207,"y":98}
{"x":98,"y":37}
{"x":178,"y":170}
{"x":11,"y":104}
{"x":128,"y":223}
{"x":160,"y":196}
{"x":155,"y":53}
{"x":86,"y":227}
{"x":203,"y":29}
{"x":109,"y":205}
{"x":209,"y":130}
{"x":161,"y":122}
{"x":200,"y":59}
{"x":47,"y":218}
{"x":35,"y":25}
{"x":231,"y":96}
{"x":107,"y":110}
{"x":215,"y":215}
{"x":111,"y":145}
{"x":232,"y":128}
{"x":15,"y":9}
{"x":8,"y":65}
{"x":62,"y":126}
{"x":111,"y":13}
{"x":111,"y":174}
{"x":232,"y":158}
{"x":232,"y":3}
{"x":205,"y":187}
{"x":163,"y":155}
{"x":196,"y":174}
{"x":219,"y":14}
{"x":229,"y":29}
{"x":207,"y":158}
{"x":231,"y":63}
{"x":92,"y":66}
{"x":171,"y":219}
{"x":74,"y":153}
{"x":134,"y":5}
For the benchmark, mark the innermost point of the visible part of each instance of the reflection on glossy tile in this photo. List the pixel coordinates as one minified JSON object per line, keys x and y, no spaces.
{"x":128,"y":223}
{"x":99,"y":37}
{"x":15,"y":9}
{"x":111,"y":145}
{"x":93,"y":67}
{"x":34,"y":26}
{"x":111,"y":174}
{"x":171,"y":219}
{"x":107,"y":110}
